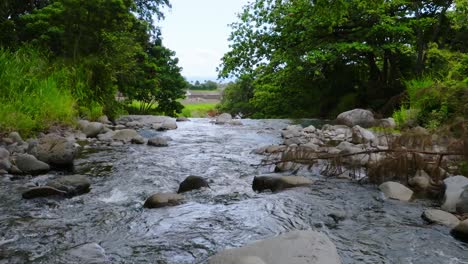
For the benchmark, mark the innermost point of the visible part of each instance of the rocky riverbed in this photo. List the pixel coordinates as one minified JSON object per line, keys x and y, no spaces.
{"x":127,"y":162}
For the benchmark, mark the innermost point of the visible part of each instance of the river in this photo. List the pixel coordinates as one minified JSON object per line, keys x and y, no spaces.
{"x":229,"y":214}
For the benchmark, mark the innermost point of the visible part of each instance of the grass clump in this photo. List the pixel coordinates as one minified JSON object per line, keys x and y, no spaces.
{"x":198,"y":110}
{"x":31,"y":95}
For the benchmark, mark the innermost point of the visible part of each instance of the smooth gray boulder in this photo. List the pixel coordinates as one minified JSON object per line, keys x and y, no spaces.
{"x":42,"y":191}
{"x":223,"y":118}
{"x":296,"y":247}
{"x":462,"y":203}
{"x":158,"y":142}
{"x":93,"y":129}
{"x":387,"y":123}
{"x":421,"y":181}
{"x":72,"y":185}
{"x":103,"y":119}
{"x":5,"y":164}
{"x":159,"y":200}
{"x":90,"y":253}
{"x":397,"y":191}
{"x":4,"y":154}
{"x":168,"y":124}
{"x":15,"y":136}
{"x":454,"y":186}
{"x":279,"y":183}
{"x":192,"y":183}
{"x":28,"y":164}
{"x":461,"y":231}
{"x":361,"y":135}
{"x":125,"y":135}
{"x":56,"y":150}
{"x":138,"y":140}
{"x":361,"y":117}
{"x":440,"y":217}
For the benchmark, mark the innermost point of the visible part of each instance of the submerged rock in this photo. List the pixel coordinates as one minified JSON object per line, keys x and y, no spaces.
{"x":454,"y":187}
{"x":192,"y":183}
{"x":397,"y":191}
{"x":440,"y":217}
{"x":361,"y":117}
{"x":278,"y":183}
{"x":90,"y":253}
{"x":42,"y":191}
{"x":72,"y":185}
{"x":159,"y":200}
{"x":223,"y":119}
{"x":28,"y":164}
{"x":296,"y":247}
{"x":461,"y":231}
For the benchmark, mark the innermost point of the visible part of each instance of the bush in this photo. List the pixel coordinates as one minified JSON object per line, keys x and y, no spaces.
{"x":31,"y":96}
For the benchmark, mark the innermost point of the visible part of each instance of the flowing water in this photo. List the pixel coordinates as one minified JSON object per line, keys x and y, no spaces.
{"x":229,"y":214}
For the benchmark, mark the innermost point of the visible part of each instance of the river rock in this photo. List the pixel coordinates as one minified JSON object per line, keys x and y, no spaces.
{"x":5,"y":164}
{"x":92,"y":129}
{"x":454,"y":186}
{"x":361,"y":117}
{"x":138,"y":140}
{"x":421,"y":181}
{"x":295,"y":247}
{"x":182,"y":119}
{"x":103,"y":119}
{"x":361,"y":135}
{"x":125,"y":135}
{"x":387,"y":123}
{"x":278,"y":183}
{"x":15,"y":136}
{"x":223,"y":119}
{"x":461,"y":231}
{"x":56,"y":150}
{"x":192,"y":183}
{"x":462,"y":204}
{"x":134,"y":124}
{"x":90,"y":253}
{"x":106,"y":137}
{"x":4,"y":154}
{"x":168,"y":124}
{"x":3,"y":172}
{"x":235,"y":122}
{"x":72,"y":185}
{"x":309,"y":130}
{"x":42,"y":191}
{"x":440,"y":217}
{"x":158,"y":200}
{"x":397,"y":191}
{"x":28,"y":164}
{"x":158,"y":142}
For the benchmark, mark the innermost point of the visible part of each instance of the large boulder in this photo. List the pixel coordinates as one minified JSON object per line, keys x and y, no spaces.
{"x":296,"y":247}
{"x":223,"y":118}
{"x":28,"y":164}
{"x":56,"y":150}
{"x":440,"y":217}
{"x":168,"y":124}
{"x":361,"y":117}
{"x":125,"y":135}
{"x":159,"y":200}
{"x":158,"y":142}
{"x":42,"y":191}
{"x":192,"y":183}
{"x":462,"y":204}
{"x":461,"y":231}
{"x":92,"y":129}
{"x":362,"y":136}
{"x":454,"y":187}
{"x":278,"y":183}
{"x":397,"y":191}
{"x":72,"y":185}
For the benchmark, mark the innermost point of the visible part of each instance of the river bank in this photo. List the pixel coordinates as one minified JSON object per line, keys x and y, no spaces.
{"x":365,"y":226}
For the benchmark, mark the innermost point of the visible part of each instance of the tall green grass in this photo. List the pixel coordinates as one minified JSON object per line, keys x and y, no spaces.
{"x":31,"y":95}
{"x":198,"y":110}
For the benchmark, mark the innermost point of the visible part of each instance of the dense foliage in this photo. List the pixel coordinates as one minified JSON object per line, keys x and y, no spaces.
{"x":99,"y":48}
{"x":317,"y":58}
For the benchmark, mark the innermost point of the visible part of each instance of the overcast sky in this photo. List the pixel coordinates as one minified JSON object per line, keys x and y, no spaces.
{"x":198,"y":31}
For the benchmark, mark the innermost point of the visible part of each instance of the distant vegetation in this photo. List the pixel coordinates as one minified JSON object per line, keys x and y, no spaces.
{"x":206,"y":86}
